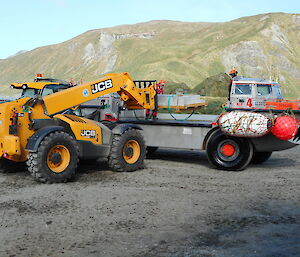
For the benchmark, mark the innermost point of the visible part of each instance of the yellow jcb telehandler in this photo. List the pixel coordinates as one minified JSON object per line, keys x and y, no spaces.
{"x":34,"y":132}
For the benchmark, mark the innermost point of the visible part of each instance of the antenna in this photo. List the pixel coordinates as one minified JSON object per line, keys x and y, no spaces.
{"x":269,"y":70}
{"x":272,"y":73}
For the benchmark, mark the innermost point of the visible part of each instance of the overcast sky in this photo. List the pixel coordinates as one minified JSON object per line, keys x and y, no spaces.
{"x":27,"y":24}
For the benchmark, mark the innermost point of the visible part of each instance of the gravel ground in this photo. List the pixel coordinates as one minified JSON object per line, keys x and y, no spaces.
{"x":177,"y":206}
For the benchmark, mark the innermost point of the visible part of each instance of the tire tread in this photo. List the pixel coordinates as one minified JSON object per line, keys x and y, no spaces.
{"x":37,"y":168}
{"x":116,"y":161}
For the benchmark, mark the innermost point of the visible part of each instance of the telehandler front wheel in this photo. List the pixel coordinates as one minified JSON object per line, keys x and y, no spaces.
{"x":128,"y":151}
{"x":55,"y":160}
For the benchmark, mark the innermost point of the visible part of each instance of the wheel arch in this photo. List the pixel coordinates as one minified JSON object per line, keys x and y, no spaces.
{"x":207,"y":137}
{"x":121,"y":128}
{"x":214,"y":130}
{"x":35,"y":140}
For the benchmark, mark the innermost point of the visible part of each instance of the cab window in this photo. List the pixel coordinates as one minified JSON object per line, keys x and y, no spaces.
{"x":53,"y":88}
{"x":278,"y":92}
{"x":243,"y":89}
{"x":47,"y":91}
{"x":263,"y":90}
{"x":29,"y":92}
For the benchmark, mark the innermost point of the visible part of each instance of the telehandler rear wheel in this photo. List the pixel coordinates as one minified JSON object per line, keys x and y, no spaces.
{"x":8,"y":166}
{"x":55,"y":160}
{"x":128,"y":151}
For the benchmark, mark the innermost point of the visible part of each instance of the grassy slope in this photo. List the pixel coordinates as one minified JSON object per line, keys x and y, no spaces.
{"x":190,"y":56}
{"x":180,"y":52}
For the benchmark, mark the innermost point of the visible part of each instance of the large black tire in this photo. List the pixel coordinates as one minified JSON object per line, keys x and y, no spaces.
{"x":8,"y":166}
{"x":229,"y":153}
{"x":55,"y":160}
{"x":260,"y":157}
{"x":128,"y":151}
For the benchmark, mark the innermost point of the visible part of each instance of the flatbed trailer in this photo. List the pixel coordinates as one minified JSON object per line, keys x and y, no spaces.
{"x":202,"y":133}
{"x":181,"y":134}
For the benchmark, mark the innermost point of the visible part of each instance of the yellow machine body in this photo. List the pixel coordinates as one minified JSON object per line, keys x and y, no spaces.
{"x":83,"y":129}
{"x":121,"y":83}
{"x":17,"y":117}
{"x":12,"y":145}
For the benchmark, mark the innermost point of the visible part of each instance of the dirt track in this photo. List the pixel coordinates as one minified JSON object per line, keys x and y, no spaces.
{"x":176,"y":206}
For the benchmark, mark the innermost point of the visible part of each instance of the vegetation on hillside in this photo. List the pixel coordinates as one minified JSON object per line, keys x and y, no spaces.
{"x":214,"y":105}
{"x":216,"y":85}
{"x":173,"y":88}
{"x":213,"y":89}
{"x":174,"y":51}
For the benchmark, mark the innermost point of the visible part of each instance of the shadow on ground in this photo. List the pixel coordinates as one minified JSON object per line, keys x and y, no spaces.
{"x":184,"y":156}
{"x":267,"y":230}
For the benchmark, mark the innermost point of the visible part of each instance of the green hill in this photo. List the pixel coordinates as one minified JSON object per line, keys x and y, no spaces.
{"x":216,"y":85}
{"x":266,"y":45}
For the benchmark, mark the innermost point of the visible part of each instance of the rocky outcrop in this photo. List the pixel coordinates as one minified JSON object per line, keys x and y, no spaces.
{"x":247,"y":54}
{"x":296,"y":19}
{"x":105,"y":52}
{"x":277,"y":37}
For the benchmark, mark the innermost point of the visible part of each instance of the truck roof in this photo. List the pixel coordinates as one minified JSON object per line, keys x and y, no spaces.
{"x":240,"y":79}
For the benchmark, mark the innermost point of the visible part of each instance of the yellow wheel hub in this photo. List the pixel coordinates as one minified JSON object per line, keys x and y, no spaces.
{"x":58,"y":158}
{"x":131,"y":151}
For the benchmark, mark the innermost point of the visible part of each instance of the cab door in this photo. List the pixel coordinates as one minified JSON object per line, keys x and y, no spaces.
{"x":241,"y":96}
{"x":264,"y":93}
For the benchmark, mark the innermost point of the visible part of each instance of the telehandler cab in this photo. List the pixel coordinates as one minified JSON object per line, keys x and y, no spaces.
{"x":41,"y":86}
{"x":33,"y":130}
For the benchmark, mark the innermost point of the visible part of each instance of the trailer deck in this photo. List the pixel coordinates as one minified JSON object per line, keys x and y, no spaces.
{"x":179,"y":133}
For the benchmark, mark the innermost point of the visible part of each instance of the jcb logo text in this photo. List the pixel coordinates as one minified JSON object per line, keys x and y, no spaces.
{"x":98,"y":87}
{"x":88,"y":133}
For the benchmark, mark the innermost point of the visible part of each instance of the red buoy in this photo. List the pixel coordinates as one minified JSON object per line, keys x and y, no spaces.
{"x":285,"y":127}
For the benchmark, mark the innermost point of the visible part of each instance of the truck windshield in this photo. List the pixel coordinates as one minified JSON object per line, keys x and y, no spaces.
{"x":278,"y":92}
{"x":243,"y":89}
{"x":263,"y":90}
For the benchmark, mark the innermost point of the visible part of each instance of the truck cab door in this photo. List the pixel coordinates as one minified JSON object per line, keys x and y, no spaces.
{"x":241,"y":96}
{"x":263,"y":93}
